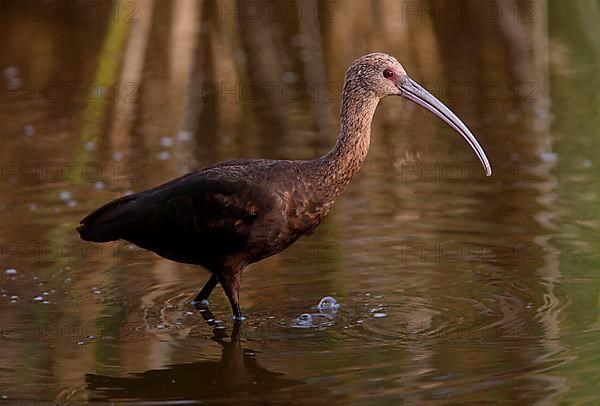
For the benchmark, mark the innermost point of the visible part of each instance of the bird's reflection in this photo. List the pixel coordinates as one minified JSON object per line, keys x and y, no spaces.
{"x":236,"y":373}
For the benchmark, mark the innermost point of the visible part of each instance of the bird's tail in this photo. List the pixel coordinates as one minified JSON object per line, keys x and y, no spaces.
{"x":112,"y":221}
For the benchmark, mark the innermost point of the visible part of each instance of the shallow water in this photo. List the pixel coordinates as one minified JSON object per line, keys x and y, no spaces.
{"x":452,"y":288}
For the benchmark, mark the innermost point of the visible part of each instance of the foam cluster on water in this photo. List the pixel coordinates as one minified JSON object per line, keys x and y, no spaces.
{"x":327,"y":308}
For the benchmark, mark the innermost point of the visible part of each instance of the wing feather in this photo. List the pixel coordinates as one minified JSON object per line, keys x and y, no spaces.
{"x":209,"y":211}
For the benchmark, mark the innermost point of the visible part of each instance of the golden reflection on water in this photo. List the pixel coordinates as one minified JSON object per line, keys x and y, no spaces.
{"x":454,"y":287}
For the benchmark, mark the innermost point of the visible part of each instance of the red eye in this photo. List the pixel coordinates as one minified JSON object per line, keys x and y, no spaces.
{"x":388,"y":73}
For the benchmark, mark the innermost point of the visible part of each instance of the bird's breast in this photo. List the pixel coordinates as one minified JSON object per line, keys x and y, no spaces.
{"x":305,"y":214}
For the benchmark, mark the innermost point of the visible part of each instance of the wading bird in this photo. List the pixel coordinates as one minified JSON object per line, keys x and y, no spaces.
{"x":228,"y":215}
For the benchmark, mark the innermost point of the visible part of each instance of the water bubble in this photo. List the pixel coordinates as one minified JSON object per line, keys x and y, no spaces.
{"x":319,"y":320}
{"x":81,"y":342}
{"x":117,"y":155}
{"x":549,"y":156}
{"x":65,"y":195}
{"x":328,"y":303}
{"x":289,"y":77}
{"x":99,"y":184}
{"x":166,"y":142}
{"x":29,"y":130}
{"x":163,"y":155}
{"x":11,"y":271}
{"x":38,"y":298}
{"x":184,"y":135}
{"x":11,"y":72}
{"x":379,"y":315}
{"x":305,"y":319}
{"x":89,"y":146}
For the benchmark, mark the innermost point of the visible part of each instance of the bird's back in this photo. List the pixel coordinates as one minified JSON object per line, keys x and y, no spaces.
{"x":228,"y":211}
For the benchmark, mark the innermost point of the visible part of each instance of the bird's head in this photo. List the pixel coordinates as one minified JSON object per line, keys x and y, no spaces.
{"x":382,"y":75}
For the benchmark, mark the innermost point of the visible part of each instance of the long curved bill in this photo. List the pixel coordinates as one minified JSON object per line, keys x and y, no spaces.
{"x":417,"y":94}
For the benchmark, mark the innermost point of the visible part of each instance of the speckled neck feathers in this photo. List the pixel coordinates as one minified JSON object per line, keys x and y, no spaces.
{"x":347,"y":156}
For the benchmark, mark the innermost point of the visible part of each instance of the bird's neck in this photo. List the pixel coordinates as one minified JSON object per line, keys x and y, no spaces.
{"x":347,"y":156}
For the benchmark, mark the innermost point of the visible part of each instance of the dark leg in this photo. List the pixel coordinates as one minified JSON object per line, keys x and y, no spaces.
{"x":230,"y":281}
{"x":202,"y":296}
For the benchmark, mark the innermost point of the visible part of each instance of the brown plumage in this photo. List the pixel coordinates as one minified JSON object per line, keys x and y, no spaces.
{"x":228,"y":215}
